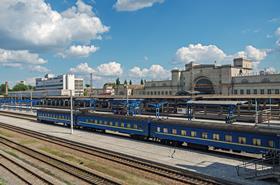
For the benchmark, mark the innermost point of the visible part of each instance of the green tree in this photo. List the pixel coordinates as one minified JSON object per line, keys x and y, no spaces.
{"x":2,"y":88}
{"x":118,"y":81}
{"x":20,"y":87}
{"x":125,"y":82}
{"x":87,"y":85}
{"x":142,"y":82}
{"x":130,"y":82}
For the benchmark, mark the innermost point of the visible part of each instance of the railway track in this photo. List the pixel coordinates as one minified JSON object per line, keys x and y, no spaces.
{"x":73,"y":170}
{"x":22,"y":172}
{"x":176,"y":174}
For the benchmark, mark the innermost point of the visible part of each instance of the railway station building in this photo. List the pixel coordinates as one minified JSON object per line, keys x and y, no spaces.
{"x":213,"y":79}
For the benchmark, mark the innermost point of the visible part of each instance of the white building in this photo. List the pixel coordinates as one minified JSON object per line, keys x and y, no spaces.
{"x":212,"y":79}
{"x":60,"y":85}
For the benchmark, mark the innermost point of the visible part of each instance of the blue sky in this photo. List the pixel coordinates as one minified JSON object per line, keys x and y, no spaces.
{"x":133,"y":39}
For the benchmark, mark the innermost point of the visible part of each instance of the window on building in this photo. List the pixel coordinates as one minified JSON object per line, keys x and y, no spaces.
{"x":248,"y":91}
{"x":256,"y":142}
{"x":276,"y":91}
{"x":174,"y":131}
{"x":165,"y":130}
{"x":151,"y":92}
{"x":268,"y":91}
{"x":166,"y":92}
{"x":271,"y":144}
{"x":204,"y":135}
{"x":262,"y":91}
{"x":216,"y":137}
{"x":193,"y":133}
{"x":170,"y":92}
{"x":148,"y":93}
{"x":242,"y":140}
{"x":228,"y":138}
{"x":183,"y":133}
{"x":241,"y":91}
{"x":235,"y":91}
{"x":162,"y":92}
{"x":255,"y":91}
{"x":158,"y":129}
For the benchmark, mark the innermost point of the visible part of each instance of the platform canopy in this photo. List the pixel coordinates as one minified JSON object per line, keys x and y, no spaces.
{"x":217,"y":103}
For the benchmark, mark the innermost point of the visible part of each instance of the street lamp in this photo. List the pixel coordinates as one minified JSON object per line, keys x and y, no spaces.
{"x":71,"y":111}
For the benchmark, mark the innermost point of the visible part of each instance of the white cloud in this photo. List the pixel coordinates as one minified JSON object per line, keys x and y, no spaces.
{"x":154,"y":72}
{"x":253,"y":53}
{"x":79,"y":51}
{"x":38,"y":68}
{"x":18,"y":57}
{"x":34,"y":23}
{"x":210,"y":53}
{"x":133,"y":5}
{"x":200,"y":54}
{"x":110,"y":69}
{"x":82,"y":68}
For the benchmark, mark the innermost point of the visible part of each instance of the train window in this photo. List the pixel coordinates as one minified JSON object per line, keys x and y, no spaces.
{"x":174,"y":131}
{"x":116,"y":124}
{"x":242,"y":140}
{"x":183,"y":132}
{"x":128,"y":125}
{"x":216,"y":136}
{"x":193,"y":133}
{"x":204,"y":135}
{"x":111,"y":123}
{"x":139,"y":127}
{"x":158,"y":129}
{"x":134,"y":126}
{"x":95,"y":121}
{"x":256,"y":142}
{"x":105,"y":122}
{"x":122,"y":124}
{"x":165,"y":130}
{"x":271,"y":144}
{"x":228,"y":138}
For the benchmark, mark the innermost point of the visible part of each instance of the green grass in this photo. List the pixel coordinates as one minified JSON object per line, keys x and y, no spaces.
{"x":4,"y":133}
{"x":2,"y":181}
{"x":127,"y":177}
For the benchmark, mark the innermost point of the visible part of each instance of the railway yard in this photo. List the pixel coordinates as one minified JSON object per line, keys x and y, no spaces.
{"x":207,"y":142}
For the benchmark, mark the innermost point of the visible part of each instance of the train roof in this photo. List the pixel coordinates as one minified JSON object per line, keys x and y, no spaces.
{"x":212,"y":102}
{"x":221,"y":126}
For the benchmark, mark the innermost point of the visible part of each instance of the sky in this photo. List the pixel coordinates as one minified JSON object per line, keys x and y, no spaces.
{"x":133,"y":39}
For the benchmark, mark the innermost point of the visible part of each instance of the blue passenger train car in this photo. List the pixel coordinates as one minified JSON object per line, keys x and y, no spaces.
{"x":128,"y":125}
{"x":220,"y":136}
{"x":176,"y":132}
{"x":55,"y":116}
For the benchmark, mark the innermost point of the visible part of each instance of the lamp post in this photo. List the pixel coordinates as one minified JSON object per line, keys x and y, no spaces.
{"x":71,"y":111}
{"x":127,"y":106}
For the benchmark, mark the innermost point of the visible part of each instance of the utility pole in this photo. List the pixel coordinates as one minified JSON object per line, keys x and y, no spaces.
{"x":90,"y":84}
{"x":127,"y":106}
{"x":256,"y":109}
{"x":71,"y":110}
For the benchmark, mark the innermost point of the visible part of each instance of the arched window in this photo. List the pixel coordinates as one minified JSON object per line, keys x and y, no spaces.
{"x":204,"y":86}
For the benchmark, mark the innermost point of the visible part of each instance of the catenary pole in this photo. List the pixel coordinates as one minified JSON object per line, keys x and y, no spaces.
{"x":71,"y":110}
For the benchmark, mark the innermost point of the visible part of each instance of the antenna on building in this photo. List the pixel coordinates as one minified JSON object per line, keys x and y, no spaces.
{"x":90,"y":83}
